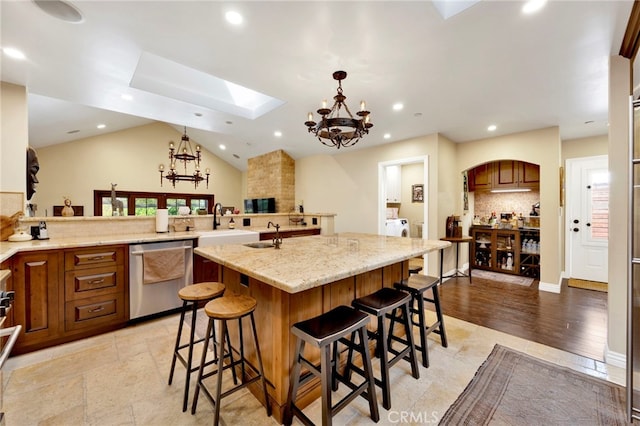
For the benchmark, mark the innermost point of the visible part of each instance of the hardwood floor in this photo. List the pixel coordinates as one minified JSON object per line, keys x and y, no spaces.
{"x":574,"y":320}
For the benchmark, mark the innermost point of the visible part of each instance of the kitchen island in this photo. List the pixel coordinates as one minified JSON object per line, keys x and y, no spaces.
{"x":304,"y":278}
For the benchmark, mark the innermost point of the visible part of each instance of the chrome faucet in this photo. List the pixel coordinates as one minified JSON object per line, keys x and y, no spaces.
{"x":277,"y":240}
{"x":216,"y":220}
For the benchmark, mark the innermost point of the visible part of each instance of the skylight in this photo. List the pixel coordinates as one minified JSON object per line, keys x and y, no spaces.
{"x":168,"y":78}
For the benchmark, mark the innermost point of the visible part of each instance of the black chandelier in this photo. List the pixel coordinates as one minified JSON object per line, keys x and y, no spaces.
{"x":336,"y":131}
{"x":184,"y":153}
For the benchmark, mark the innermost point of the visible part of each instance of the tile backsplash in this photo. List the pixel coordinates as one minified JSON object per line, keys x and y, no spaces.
{"x":506,"y":202}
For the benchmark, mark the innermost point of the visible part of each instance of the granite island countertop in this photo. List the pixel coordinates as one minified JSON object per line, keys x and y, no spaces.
{"x":307,"y":262}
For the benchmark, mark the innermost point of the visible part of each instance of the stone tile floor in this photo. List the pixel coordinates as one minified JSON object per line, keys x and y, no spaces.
{"x":120,"y":378}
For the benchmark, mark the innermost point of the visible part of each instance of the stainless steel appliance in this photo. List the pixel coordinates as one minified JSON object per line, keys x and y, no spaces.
{"x":156,"y":298}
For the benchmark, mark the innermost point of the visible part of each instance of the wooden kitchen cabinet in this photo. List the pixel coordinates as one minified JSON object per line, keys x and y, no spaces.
{"x":502,"y":250}
{"x":95,"y":285}
{"x":64,"y":295}
{"x":510,"y":174}
{"x":504,"y":174}
{"x":481,"y":177}
{"x":36,"y":279}
{"x":290,"y":234}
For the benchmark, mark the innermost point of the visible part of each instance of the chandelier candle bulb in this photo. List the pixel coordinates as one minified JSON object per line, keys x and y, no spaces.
{"x":362,"y":106}
{"x":324,"y":104}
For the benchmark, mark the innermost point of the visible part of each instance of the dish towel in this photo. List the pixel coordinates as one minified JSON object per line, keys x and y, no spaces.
{"x":163,"y":265}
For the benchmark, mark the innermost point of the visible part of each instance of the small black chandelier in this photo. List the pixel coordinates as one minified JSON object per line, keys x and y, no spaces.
{"x":185,"y":154}
{"x":336,"y":131}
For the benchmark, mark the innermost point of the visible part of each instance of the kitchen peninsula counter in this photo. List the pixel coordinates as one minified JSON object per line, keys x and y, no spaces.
{"x":307,"y":262}
{"x":304,"y":278}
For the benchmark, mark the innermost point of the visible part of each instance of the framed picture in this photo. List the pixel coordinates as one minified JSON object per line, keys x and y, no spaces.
{"x":417,"y":193}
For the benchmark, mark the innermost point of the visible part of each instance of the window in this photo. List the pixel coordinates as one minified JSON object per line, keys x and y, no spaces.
{"x":146,"y":203}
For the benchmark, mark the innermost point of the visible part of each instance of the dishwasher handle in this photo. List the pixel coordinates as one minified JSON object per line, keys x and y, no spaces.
{"x":13,"y":333}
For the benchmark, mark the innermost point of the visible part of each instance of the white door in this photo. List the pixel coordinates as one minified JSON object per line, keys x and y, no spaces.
{"x":588,"y":217}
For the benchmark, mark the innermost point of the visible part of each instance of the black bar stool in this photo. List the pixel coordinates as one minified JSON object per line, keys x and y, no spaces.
{"x":223,"y":309}
{"x":385,"y":303}
{"x":417,"y":285}
{"x":325,"y":332}
{"x":192,"y":296}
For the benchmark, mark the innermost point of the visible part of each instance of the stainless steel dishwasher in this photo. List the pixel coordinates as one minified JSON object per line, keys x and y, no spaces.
{"x":151,"y":299}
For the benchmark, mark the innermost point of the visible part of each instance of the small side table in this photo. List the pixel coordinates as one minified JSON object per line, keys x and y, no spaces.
{"x":457,"y":241}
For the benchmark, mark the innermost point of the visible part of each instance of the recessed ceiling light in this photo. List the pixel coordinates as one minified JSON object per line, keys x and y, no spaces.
{"x":533,"y":6}
{"x":236,"y":156}
{"x":197,"y":114}
{"x":417,"y":114}
{"x":398,"y":106}
{"x":222,"y":147}
{"x":233,"y":17}
{"x":588,"y":122}
{"x":14,"y":53}
{"x":71,"y":132}
{"x":277,"y":133}
{"x":492,"y":128}
{"x":101,"y":126}
{"x":126,"y":97}
{"x":386,"y":136}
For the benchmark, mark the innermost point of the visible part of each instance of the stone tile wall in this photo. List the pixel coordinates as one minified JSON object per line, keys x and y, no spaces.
{"x":273,"y":175}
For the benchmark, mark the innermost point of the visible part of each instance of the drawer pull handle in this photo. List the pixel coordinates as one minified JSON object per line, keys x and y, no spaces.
{"x":95,"y":258}
{"x":97,"y":281}
{"x":98,"y":309}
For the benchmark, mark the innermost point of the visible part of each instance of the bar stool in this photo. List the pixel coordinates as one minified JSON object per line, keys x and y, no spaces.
{"x":192,"y":296}
{"x":223,"y":309}
{"x":385,"y":303}
{"x":417,"y":286}
{"x":325,"y":332}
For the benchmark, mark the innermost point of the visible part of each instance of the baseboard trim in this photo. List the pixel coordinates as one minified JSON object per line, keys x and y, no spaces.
{"x":615,"y":359}
{"x":551,"y":288}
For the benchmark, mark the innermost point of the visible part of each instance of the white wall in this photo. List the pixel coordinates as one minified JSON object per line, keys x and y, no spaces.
{"x":129,"y":158}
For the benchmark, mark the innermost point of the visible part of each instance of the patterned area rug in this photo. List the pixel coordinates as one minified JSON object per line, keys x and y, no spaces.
{"x":588,"y":285}
{"x":512,"y":388}
{"x":504,"y":278}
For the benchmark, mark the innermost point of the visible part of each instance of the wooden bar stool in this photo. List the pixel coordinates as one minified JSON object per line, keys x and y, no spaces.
{"x":192,"y":296}
{"x":325,"y":332}
{"x":223,"y":309}
{"x":417,"y":286}
{"x":385,"y":303}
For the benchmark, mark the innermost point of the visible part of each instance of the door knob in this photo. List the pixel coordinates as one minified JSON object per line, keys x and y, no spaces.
{"x":576,"y":229}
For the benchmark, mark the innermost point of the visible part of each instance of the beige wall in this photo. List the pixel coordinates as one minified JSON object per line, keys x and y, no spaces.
{"x":129,"y":158}
{"x":619,"y":221}
{"x":411,"y":174}
{"x":14,"y":131}
{"x":585,"y":147}
{"x":540,"y":147}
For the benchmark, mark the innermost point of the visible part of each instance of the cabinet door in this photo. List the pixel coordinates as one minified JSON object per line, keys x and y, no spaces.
{"x":505,"y":174}
{"x":506,"y":252}
{"x":481,"y":177}
{"x":529,"y":175}
{"x":36,"y":281}
{"x":204,"y":270}
{"x":481,"y":249}
{"x":394,"y":184}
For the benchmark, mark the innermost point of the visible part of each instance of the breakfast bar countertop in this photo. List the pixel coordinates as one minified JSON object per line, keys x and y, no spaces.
{"x":307,"y":262}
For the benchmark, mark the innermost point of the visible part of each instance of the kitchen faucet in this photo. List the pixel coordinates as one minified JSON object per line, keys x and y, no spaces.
{"x":216,"y":220}
{"x":277,"y":240}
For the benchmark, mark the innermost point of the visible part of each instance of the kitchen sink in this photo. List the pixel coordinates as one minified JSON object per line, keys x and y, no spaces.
{"x":227,"y":236}
{"x":259,"y":245}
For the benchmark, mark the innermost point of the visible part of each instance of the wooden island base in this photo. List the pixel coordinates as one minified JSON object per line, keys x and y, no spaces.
{"x":278,"y":310}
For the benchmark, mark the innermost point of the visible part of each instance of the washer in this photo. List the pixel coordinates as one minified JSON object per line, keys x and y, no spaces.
{"x":397,"y":228}
{"x":404,"y":228}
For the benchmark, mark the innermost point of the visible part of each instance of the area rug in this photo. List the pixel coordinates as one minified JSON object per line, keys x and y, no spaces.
{"x":512,"y":388}
{"x":504,"y":278}
{"x":588,"y":285}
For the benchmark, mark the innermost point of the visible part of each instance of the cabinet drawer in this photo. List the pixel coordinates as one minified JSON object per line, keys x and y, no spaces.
{"x":91,"y":258}
{"x":94,"y":311}
{"x":94,"y":282}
